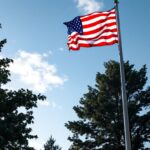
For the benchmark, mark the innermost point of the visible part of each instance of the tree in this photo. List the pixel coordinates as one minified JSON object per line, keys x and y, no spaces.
{"x":100,"y":126}
{"x":16,"y":112}
{"x":50,"y":145}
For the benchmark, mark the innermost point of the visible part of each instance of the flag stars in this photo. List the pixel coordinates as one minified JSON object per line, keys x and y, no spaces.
{"x":75,"y":26}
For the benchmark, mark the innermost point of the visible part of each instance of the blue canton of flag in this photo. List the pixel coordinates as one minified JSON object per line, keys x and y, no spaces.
{"x":74,"y":26}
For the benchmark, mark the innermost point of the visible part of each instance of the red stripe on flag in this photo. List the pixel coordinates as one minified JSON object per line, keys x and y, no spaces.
{"x":100,"y":38}
{"x":77,"y":36}
{"x":99,"y":29}
{"x":88,"y":45}
{"x":96,"y":16}
{"x":98,"y":22}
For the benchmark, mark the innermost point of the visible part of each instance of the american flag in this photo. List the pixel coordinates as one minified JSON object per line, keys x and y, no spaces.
{"x":95,"y":29}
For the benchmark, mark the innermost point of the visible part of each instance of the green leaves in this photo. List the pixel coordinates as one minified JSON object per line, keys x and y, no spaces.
{"x":4,"y":72}
{"x":2,"y":42}
{"x":16,"y":112}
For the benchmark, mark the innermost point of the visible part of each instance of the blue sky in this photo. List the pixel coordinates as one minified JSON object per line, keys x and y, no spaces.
{"x":36,"y":40}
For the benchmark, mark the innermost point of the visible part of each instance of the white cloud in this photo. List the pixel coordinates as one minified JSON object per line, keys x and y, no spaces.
{"x":61,"y":49}
{"x":37,"y":144}
{"x":89,"y":6}
{"x":51,"y":104}
{"x":50,"y":52}
{"x":45,"y":55}
{"x":32,"y":70}
{"x":44,"y":103}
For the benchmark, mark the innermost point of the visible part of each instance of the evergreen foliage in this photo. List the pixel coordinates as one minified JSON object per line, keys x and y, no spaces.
{"x":100,"y":124}
{"x":50,"y":145}
{"x":16,"y":112}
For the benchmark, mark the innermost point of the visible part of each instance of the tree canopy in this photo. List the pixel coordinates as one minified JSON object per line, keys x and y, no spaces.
{"x":100,"y":124}
{"x":16,"y":111}
{"x":50,"y":145}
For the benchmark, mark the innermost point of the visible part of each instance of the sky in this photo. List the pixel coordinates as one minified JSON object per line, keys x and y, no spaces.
{"x":36,"y":41}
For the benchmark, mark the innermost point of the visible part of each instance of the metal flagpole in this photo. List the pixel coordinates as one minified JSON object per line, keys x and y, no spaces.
{"x":123,"y":88}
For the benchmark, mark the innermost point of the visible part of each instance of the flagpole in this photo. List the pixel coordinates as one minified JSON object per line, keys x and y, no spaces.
{"x":123,"y":88}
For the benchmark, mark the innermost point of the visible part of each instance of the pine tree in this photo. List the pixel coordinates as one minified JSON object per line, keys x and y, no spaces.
{"x":50,"y":145}
{"x":14,"y":123}
{"x":100,"y":124}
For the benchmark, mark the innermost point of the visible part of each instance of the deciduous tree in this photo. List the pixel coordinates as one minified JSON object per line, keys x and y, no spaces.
{"x":16,"y":111}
